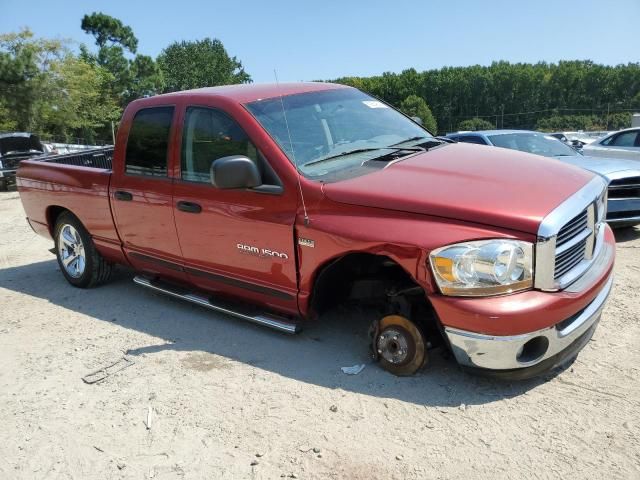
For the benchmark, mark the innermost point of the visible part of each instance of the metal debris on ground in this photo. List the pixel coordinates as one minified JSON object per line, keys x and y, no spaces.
{"x":354,"y":370}
{"x":102,"y":373}
{"x":148,"y":422}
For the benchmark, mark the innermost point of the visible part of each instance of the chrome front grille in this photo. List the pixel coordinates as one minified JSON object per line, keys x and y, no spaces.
{"x":570,"y":236}
{"x":625,"y":188}
{"x":571,"y":244}
{"x":572,"y":228}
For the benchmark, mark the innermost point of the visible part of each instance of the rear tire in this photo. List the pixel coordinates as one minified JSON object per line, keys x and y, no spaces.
{"x":3,"y":185}
{"x":79,"y":261}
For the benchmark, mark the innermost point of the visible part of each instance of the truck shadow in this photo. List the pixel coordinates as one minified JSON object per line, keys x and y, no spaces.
{"x":314,"y":356}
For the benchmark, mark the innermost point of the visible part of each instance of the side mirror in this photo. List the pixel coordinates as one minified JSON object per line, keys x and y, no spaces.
{"x":235,"y":171}
{"x":418,"y":120}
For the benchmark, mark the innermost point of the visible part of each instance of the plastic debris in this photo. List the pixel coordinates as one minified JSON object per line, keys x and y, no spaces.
{"x":355,"y":370}
{"x":148,"y":422}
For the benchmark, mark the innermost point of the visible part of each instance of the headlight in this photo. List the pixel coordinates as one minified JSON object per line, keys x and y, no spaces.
{"x":483,"y":268}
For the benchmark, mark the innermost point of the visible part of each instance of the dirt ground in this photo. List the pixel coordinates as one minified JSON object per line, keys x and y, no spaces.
{"x":211,"y":397}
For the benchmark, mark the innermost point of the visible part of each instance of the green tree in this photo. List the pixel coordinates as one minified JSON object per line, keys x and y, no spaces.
{"x":24,"y":65}
{"x":108,"y":29}
{"x":131,"y":78}
{"x":475,"y":124}
{"x":415,"y":106}
{"x":145,"y":78}
{"x":203,"y":63}
{"x":78,"y":103}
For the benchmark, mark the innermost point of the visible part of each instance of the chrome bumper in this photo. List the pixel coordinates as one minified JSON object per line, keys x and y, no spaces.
{"x":520,"y":351}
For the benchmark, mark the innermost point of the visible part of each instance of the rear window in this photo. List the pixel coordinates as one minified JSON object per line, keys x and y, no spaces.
{"x":148,"y":142}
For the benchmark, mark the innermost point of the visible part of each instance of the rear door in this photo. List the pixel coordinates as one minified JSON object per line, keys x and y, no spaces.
{"x":142,"y":192}
{"x":235,"y":242}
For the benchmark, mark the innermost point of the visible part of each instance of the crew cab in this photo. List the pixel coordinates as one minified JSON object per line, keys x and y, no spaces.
{"x":274,"y":203}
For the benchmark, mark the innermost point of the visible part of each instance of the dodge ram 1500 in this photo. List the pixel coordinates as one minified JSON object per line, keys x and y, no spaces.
{"x":274,"y":202}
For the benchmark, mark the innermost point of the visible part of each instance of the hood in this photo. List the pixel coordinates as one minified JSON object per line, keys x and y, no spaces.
{"x":602,"y":165}
{"x":474,"y":183}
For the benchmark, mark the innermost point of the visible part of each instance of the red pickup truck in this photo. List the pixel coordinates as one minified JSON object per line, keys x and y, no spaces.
{"x":274,"y":202}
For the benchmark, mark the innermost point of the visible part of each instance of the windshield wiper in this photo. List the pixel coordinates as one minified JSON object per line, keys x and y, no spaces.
{"x":360,"y":150}
{"x":407,"y":140}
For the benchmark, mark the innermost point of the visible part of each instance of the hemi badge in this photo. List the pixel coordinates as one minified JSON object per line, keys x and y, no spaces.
{"x":305,"y":242}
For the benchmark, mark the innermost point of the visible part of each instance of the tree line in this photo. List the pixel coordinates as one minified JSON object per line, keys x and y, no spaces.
{"x":50,"y":88}
{"x":567,"y":95}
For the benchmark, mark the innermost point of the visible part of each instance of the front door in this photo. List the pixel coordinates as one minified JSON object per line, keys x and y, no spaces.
{"x":142,"y":195}
{"x":235,"y":242}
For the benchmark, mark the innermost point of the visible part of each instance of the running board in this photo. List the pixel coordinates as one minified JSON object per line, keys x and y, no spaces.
{"x":268,"y":320}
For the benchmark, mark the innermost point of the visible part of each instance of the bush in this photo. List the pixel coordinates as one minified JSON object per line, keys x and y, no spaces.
{"x":474,"y":124}
{"x":615,"y":121}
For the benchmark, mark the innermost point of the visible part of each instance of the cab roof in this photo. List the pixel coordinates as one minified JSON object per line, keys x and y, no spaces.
{"x":251,"y":92}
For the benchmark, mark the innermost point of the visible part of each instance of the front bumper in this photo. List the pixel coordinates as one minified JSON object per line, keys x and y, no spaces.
{"x":524,"y":355}
{"x":519,"y":352}
{"x":623,"y":212}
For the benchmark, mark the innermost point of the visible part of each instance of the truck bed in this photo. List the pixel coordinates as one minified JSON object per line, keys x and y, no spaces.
{"x":96,"y":158}
{"x":78,"y":182}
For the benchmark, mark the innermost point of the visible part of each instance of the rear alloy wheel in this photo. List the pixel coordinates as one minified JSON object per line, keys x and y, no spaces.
{"x":399,"y":345}
{"x":80,"y":262}
{"x":71,"y":251}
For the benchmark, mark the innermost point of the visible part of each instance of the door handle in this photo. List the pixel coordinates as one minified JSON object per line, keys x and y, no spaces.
{"x":125,"y":196}
{"x":189,"y":207}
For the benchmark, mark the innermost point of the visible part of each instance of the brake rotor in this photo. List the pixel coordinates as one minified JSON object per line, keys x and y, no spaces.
{"x":399,"y":345}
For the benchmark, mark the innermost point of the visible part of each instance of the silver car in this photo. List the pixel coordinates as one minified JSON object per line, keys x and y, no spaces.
{"x":623,"y":207}
{"x":622,"y":144}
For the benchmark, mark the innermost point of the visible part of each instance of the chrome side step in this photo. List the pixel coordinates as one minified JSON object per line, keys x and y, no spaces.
{"x":268,"y":320}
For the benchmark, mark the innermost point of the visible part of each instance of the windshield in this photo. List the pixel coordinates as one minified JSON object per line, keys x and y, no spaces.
{"x":335,"y":129}
{"x":530,"y":142}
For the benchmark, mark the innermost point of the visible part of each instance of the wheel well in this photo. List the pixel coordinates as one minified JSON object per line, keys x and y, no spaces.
{"x":372,"y":280}
{"x":53,"y":212}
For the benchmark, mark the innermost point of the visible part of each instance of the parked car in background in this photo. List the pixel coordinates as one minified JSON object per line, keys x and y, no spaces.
{"x":576,"y":140}
{"x":275,"y":202}
{"x":623,"y":207}
{"x":15,"y":147}
{"x":622,"y":144}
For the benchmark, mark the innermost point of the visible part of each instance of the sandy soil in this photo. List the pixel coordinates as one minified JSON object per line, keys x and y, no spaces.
{"x":231,"y":400}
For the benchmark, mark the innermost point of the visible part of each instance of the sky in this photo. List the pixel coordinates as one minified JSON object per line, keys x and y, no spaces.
{"x":328,"y":39}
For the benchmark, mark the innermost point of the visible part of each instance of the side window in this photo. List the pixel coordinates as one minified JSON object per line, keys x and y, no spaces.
{"x":472,"y":139}
{"x":625,"y":139}
{"x":148,"y":142}
{"x":208,"y":135}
